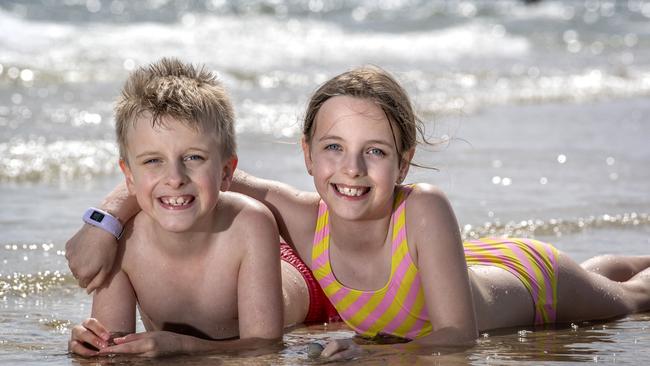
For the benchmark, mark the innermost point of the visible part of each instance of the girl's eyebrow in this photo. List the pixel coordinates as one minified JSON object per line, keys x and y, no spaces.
{"x":367,"y":142}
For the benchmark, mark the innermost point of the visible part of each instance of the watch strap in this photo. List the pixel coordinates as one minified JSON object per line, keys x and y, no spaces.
{"x":103,"y":220}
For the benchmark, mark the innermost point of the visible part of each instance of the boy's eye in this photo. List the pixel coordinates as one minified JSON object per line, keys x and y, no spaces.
{"x":334,"y":147}
{"x":194,"y":157}
{"x":152,"y":161}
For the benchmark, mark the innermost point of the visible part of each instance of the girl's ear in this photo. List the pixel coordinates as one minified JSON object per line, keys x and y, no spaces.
{"x":306,"y":151}
{"x":405,"y":164}
{"x":227,"y":173}
{"x":128,"y":175}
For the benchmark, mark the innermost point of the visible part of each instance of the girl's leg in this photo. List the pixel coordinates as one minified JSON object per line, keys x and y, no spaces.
{"x":617,"y":267}
{"x":586,"y":295}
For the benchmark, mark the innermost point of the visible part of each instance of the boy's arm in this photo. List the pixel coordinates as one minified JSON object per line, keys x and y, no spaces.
{"x":91,"y":251}
{"x":259,"y":287}
{"x":294,"y":211}
{"x":113,"y":311}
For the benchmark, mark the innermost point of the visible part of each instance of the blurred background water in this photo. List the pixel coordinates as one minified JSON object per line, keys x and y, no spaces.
{"x":541,"y":110}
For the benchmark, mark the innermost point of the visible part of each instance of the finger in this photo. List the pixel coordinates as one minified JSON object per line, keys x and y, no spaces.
{"x":135,"y":347}
{"x":334,"y":347}
{"x":128,"y":338}
{"x":81,"y":350}
{"x":85,"y":278}
{"x":97,"y":281}
{"x":96,"y":327}
{"x":89,"y":338}
{"x":84,"y":335}
{"x":346,"y":354}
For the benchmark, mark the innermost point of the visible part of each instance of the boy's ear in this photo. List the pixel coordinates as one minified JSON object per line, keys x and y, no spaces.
{"x":227,"y":173}
{"x":307,"y":154}
{"x":124,"y":166}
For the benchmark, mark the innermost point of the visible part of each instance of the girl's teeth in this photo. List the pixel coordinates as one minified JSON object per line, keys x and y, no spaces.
{"x":347,"y":191}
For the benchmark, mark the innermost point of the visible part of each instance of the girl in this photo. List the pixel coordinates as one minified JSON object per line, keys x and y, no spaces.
{"x":389,"y":256}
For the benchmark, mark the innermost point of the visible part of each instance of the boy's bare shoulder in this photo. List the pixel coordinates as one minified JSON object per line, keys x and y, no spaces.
{"x":247,"y":216}
{"x":243,"y":207}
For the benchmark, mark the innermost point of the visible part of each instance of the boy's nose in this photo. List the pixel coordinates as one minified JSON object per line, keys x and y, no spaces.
{"x":176,"y":176}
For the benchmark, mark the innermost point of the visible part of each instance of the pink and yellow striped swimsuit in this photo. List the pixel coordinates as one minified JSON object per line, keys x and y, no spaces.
{"x":398,"y":308}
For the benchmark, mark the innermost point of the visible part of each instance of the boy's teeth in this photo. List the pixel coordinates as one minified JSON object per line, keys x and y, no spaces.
{"x":175,"y":201}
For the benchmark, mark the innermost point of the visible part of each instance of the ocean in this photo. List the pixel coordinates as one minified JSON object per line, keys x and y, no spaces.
{"x":540,"y":110}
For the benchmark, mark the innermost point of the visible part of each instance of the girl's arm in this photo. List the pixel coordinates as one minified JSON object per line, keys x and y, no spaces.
{"x":91,"y":251}
{"x":295,"y":211}
{"x":443,"y":270}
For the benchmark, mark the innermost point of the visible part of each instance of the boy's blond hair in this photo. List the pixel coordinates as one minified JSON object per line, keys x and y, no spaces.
{"x":171,"y":88}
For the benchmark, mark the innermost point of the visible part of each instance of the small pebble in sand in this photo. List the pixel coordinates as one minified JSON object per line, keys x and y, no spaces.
{"x":314,"y":350}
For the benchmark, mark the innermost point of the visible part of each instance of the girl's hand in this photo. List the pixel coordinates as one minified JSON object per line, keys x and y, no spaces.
{"x":90,"y":254}
{"x":87,"y":338}
{"x":147,"y":344}
{"x":341,"y":349}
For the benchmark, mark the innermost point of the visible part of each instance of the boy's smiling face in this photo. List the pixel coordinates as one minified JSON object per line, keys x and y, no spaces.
{"x":176,"y":172}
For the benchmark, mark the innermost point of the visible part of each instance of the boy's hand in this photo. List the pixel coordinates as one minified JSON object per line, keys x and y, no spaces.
{"x":341,"y":349}
{"x":147,"y":344}
{"x":87,"y":338}
{"x":90,"y":254}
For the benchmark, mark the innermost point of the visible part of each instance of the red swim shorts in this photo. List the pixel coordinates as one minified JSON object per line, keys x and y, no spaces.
{"x":321,"y":309}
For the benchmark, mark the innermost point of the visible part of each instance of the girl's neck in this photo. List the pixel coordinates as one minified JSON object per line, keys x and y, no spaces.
{"x":359,"y":235}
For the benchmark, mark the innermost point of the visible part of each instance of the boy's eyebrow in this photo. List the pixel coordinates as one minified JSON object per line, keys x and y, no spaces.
{"x":146,"y":153}
{"x":370,"y":142}
{"x":153,"y":152}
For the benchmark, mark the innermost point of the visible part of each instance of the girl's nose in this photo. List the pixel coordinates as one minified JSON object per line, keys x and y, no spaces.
{"x":354,"y":165}
{"x":176,"y":176}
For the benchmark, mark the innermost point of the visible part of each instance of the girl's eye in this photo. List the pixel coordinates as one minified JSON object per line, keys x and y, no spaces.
{"x":377,"y":152}
{"x":152,"y":161}
{"x":334,"y":147}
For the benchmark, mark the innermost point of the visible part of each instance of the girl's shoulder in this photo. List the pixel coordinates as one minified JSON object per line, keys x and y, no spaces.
{"x":424,"y":195}
{"x":428,"y":205}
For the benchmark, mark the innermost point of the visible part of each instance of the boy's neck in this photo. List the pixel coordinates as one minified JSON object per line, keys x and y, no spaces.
{"x":189,"y":242}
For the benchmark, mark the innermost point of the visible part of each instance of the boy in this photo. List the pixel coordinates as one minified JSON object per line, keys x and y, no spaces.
{"x":199,"y":263}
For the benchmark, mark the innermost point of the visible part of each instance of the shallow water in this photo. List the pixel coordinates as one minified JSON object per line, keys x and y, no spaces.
{"x":541,"y":113}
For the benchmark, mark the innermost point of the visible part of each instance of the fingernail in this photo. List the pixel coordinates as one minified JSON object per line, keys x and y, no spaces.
{"x":106,"y":336}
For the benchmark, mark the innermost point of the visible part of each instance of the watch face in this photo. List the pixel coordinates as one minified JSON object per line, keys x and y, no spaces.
{"x":97,"y":216}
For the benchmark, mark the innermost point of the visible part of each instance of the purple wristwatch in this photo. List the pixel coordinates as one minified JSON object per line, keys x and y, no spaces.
{"x":103,"y":220}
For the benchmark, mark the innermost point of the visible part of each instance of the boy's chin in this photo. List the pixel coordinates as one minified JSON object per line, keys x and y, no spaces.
{"x":176,"y":227}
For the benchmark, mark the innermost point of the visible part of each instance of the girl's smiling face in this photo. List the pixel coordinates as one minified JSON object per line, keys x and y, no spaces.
{"x":353,"y":158}
{"x":176,"y":173}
